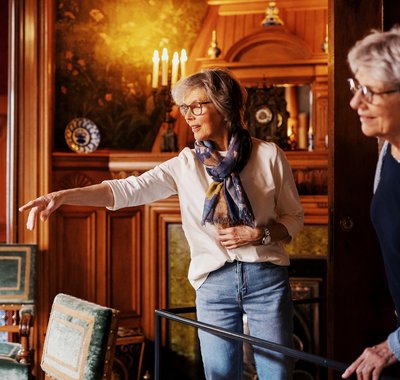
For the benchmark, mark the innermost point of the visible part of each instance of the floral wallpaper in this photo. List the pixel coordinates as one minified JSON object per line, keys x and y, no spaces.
{"x":103,"y":64}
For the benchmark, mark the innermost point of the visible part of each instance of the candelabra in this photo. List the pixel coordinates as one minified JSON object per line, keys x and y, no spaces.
{"x":163,"y":99}
{"x":162,"y":95}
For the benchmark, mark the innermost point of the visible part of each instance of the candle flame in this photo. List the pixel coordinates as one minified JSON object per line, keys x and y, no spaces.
{"x":289,"y":130}
{"x":183,"y":56}
{"x":156,"y":57}
{"x":164,"y":56}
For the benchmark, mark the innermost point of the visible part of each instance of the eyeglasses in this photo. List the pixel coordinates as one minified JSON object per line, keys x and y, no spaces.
{"x":195,"y":107}
{"x":366,"y":92}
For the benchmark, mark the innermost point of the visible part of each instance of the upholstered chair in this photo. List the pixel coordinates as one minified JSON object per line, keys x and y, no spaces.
{"x":17,"y":284}
{"x":80,"y":340}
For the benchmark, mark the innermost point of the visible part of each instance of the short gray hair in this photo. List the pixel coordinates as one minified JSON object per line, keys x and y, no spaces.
{"x":379,"y":52}
{"x":222,"y":89}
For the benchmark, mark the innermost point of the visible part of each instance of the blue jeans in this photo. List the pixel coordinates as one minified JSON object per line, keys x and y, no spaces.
{"x":262,"y":292}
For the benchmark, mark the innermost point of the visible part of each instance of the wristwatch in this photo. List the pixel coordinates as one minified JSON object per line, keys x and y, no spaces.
{"x":266,"y":239}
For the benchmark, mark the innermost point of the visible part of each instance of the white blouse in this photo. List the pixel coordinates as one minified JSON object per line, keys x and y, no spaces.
{"x":268,"y":181}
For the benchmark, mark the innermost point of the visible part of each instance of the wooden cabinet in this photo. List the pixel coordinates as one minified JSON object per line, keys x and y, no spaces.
{"x":97,"y":256}
{"x":284,"y":55}
{"x":97,"y":253}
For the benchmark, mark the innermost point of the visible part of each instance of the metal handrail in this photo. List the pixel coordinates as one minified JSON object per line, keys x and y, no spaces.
{"x":296,"y":354}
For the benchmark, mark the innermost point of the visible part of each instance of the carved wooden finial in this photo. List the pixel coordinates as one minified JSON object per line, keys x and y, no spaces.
{"x":214,"y":51}
{"x":272,"y":15}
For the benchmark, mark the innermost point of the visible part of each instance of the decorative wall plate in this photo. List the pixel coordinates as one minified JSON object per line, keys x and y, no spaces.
{"x":82,"y":135}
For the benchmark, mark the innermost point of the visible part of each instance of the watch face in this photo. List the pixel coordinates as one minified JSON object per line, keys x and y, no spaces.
{"x":266,"y":240}
{"x":263,"y":115}
{"x":267,"y":237}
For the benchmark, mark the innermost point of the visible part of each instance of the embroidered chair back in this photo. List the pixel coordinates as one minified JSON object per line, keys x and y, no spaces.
{"x":80,"y":340}
{"x":17,"y":308}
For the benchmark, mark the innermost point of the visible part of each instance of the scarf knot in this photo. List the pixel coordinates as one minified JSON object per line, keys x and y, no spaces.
{"x":226,"y":201}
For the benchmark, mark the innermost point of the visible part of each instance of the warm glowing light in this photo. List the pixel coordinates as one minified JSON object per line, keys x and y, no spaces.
{"x":176,"y":60}
{"x":310,"y":136}
{"x":156,"y":63}
{"x":302,"y":131}
{"x":289,"y":130}
{"x":174,"y":71}
{"x":183,"y":63}
{"x":164,"y":67}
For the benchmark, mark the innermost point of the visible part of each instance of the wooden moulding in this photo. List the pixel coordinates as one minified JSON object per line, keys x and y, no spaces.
{"x":124,"y":164}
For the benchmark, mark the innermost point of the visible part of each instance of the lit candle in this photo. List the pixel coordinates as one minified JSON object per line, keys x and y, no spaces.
{"x":310,"y":138}
{"x":156,"y":62}
{"x":289,"y":130}
{"x":302,"y":131}
{"x":214,"y":38}
{"x":183,"y":63}
{"x":164,"y":67}
{"x":175,"y":64}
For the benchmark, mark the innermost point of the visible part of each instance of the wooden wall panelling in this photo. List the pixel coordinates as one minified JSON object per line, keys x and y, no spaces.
{"x":235,"y":20}
{"x":124,"y":272}
{"x":116,"y":236}
{"x":310,"y":172}
{"x":157,"y":215}
{"x":315,"y":209}
{"x":227,"y":7}
{"x":276,"y":45}
{"x":203,"y":40}
{"x":3,"y":114}
{"x":99,"y":257}
{"x":75,"y":170}
{"x":3,"y":167}
{"x":79,"y":254}
{"x":319,"y":122}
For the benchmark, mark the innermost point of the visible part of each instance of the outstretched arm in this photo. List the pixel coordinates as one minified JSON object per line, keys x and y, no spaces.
{"x":96,"y":195}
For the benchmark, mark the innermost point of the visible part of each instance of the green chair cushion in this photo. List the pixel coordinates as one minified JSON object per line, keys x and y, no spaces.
{"x":77,"y":339}
{"x":10,"y":369}
{"x":17,"y":272}
{"x":9,"y":350}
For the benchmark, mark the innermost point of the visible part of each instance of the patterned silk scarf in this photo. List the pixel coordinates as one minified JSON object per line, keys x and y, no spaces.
{"x":226,"y":201}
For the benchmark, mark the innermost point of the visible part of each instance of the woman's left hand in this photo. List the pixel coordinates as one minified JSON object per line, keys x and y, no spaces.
{"x":371,"y":362}
{"x":238,"y":236}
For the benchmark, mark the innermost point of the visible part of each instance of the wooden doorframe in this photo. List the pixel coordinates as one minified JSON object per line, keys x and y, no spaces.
{"x":359,"y":307}
{"x":29,"y":135}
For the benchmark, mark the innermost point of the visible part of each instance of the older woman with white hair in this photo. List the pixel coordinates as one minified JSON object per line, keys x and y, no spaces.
{"x":239,"y":204}
{"x":375,"y":63}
